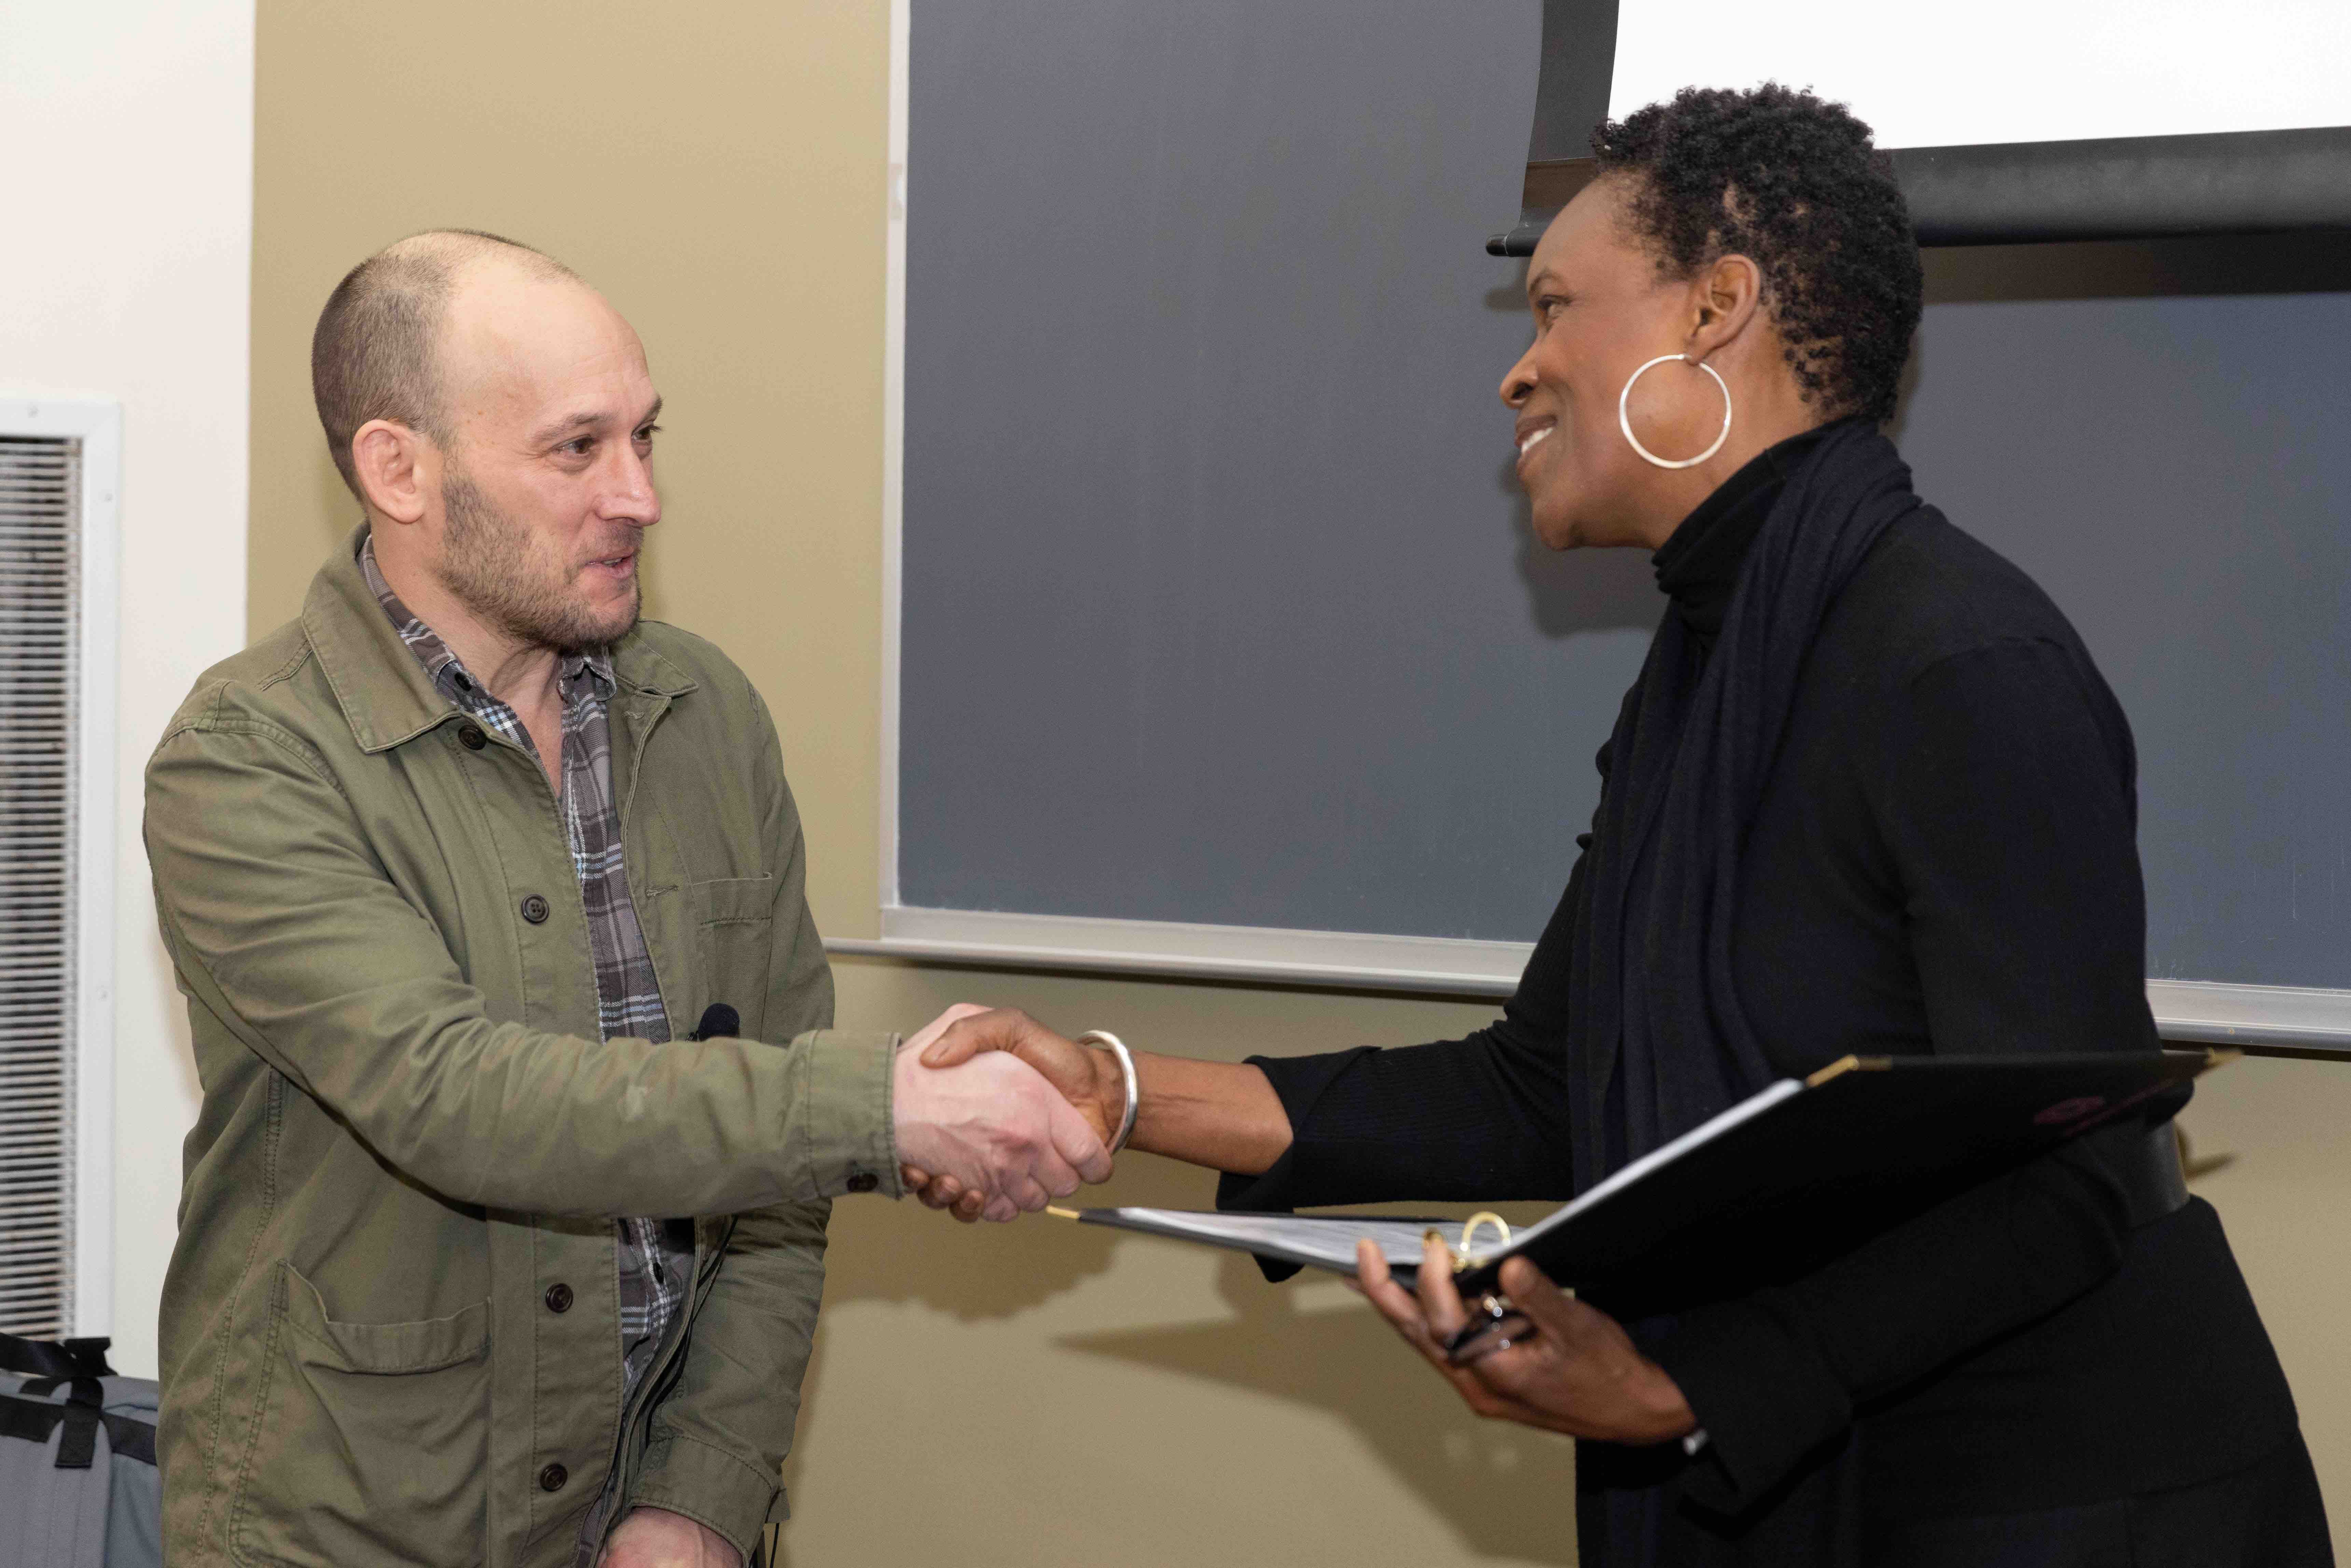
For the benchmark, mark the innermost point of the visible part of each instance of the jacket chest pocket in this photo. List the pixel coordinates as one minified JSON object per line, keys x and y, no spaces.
{"x":373,"y":1442}
{"x":733,"y":928}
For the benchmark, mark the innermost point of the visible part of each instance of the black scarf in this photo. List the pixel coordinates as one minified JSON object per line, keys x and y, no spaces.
{"x":1657,"y":1037}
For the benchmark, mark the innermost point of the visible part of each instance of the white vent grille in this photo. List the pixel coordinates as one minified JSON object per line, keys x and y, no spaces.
{"x":40,"y":671}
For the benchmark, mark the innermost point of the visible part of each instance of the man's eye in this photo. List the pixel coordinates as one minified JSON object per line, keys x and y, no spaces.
{"x":645,"y":435}
{"x":578,"y":446}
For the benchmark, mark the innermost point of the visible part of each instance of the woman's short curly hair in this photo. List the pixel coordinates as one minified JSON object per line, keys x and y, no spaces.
{"x":1791,"y":183}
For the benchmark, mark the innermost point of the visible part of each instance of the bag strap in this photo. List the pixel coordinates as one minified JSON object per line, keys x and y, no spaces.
{"x":132,"y":1438}
{"x":36,"y":1418}
{"x":85,"y":1411}
{"x":51,"y":1358}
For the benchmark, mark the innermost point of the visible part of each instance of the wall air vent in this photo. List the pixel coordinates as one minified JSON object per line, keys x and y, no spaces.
{"x":58,"y":462}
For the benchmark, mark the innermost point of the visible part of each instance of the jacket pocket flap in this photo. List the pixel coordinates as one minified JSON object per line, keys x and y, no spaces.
{"x":731,"y":898}
{"x":426,"y":1346}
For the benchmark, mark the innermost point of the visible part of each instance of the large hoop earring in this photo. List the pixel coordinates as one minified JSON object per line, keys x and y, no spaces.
{"x":1625,"y":419}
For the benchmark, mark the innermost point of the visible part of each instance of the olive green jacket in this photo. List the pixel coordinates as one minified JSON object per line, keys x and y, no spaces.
{"x":391,"y":1328}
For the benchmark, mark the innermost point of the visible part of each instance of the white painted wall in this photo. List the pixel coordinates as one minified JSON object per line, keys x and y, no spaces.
{"x":125,"y":272}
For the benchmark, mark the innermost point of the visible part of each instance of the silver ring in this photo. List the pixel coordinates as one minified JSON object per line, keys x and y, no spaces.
{"x":1625,"y":419}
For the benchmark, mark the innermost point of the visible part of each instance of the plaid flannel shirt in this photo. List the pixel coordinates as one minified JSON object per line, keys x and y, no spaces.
{"x":656,"y":1256}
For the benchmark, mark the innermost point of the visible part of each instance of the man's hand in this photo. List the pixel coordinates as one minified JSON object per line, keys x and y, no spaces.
{"x":1580,"y":1374}
{"x":656,"y":1537}
{"x":1089,"y":1078}
{"x":1004,"y":1135}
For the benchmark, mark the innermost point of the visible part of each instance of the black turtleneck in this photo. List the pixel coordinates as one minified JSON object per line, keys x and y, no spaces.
{"x":1697,"y":566}
{"x":1943,"y":860}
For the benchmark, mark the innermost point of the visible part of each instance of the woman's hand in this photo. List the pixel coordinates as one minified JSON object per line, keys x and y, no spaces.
{"x":1579,"y":1374}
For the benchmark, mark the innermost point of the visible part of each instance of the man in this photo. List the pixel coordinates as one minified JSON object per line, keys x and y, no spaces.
{"x":485,"y":1256}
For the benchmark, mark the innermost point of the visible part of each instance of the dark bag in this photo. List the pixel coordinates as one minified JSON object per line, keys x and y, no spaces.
{"x":77,"y":1459}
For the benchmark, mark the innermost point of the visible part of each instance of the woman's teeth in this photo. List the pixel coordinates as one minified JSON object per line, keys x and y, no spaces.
{"x":1533,"y":437}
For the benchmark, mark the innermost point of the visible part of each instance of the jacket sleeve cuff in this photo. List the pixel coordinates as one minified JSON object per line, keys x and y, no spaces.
{"x":1292,"y":1182}
{"x":711,"y":1487}
{"x":1763,"y":1395}
{"x":843,"y":1126}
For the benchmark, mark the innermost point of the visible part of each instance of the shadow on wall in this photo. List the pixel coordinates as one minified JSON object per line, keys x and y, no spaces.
{"x":1575,"y":590}
{"x":979,"y":1273}
{"x":1570,"y":591}
{"x":1507,"y":1491}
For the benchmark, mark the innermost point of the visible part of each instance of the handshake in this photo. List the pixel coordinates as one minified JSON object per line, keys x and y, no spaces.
{"x":995,"y":1115}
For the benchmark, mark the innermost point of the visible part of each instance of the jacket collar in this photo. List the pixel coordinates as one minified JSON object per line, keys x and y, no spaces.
{"x":386,"y":695}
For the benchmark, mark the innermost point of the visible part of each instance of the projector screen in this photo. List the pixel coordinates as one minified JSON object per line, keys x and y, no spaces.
{"x":2008,"y":70}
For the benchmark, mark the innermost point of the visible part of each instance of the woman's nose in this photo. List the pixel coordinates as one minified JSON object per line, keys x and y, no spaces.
{"x":1521,"y":380}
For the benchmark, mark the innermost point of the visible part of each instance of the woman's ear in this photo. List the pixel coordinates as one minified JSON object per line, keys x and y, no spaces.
{"x":1725,"y":296}
{"x":390,"y":460}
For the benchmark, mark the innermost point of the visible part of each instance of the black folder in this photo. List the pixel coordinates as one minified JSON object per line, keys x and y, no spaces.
{"x":1776,"y":1183}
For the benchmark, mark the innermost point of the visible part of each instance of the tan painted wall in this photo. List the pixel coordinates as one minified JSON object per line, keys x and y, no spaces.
{"x":1028,"y":1394}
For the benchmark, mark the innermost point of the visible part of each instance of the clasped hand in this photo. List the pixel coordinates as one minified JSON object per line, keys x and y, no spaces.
{"x":966,"y":1037}
{"x":986,"y":1128}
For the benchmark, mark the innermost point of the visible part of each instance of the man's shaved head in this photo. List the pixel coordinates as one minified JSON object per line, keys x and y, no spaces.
{"x":376,"y":353}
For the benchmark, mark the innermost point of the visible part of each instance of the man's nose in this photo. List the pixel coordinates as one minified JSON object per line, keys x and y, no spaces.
{"x":633,"y":497}
{"x":1520,"y":380}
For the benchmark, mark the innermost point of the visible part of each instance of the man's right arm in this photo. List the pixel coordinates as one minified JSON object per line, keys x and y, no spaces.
{"x":285,"y":927}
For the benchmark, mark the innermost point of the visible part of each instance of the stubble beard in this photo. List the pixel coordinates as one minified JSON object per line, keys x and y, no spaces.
{"x":488,"y":564}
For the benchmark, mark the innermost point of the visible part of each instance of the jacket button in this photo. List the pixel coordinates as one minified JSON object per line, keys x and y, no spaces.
{"x":471,"y":737}
{"x":552,"y":1478}
{"x":534,"y":909}
{"x":558,"y":1298}
{"x":863,"y":1181}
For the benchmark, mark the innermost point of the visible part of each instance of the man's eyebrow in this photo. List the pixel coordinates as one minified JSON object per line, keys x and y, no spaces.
{"x":562,"y":429}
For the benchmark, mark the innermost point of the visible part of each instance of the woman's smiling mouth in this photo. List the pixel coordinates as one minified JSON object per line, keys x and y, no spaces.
{"x":1531,"y":435}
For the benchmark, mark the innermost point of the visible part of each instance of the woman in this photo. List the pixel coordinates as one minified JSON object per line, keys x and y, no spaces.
{"x":1869,"y":794}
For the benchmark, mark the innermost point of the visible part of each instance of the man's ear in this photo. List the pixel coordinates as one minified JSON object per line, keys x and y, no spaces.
{"x":1724,"y":297}
{"x":397,"y":468}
